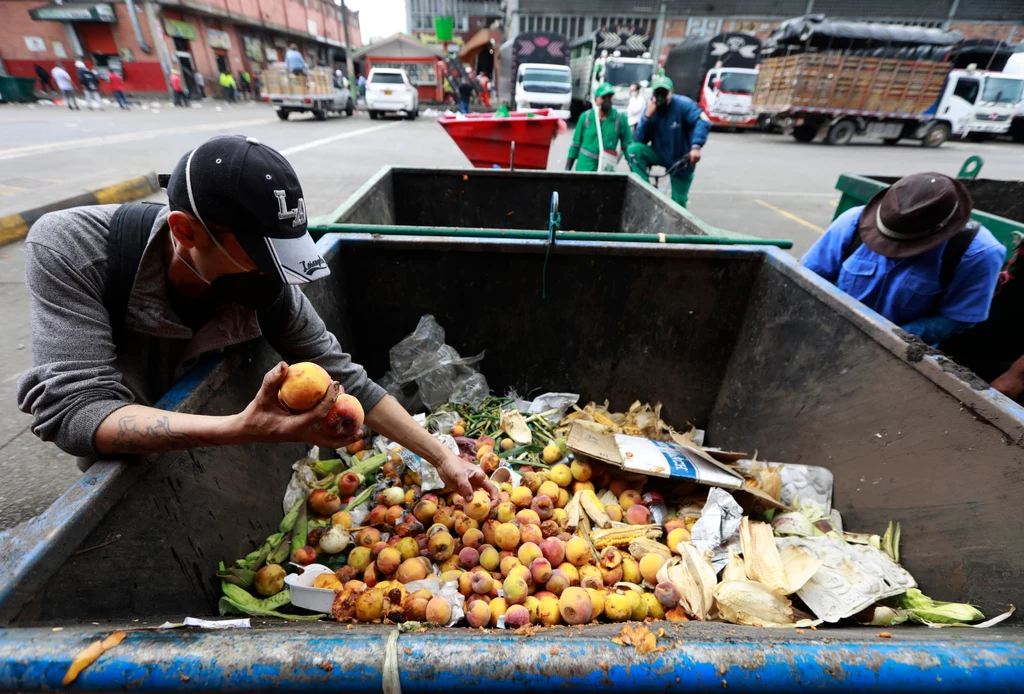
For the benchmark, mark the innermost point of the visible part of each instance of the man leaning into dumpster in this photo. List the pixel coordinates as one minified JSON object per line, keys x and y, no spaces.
{"x":219,"y":266}
{"x":914,"y":255}
{"x":670,"y":133}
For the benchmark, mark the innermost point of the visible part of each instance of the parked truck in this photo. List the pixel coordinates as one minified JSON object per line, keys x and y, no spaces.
{"x":1015,"y":66}
{"x":319,"y":92}
{"x":718,"y":72}
{"x":619,"y":56}
{"x":533,"y":72}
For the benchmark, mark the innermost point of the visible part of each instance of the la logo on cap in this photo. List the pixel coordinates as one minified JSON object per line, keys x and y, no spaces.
{"x":297,"y":215}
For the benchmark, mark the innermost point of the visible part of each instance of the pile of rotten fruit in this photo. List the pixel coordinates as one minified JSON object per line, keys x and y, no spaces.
{"x":568,"y":541}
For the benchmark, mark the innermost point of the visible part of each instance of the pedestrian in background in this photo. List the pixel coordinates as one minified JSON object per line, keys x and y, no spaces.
{"x":243,"y":85}
{"x":465,"y":94}
{"x":361,"y":83}
{"x":200,"y":85}
{"x":65,"y":85}
{"x":180,"y":95}
{"x":635,"y":109}
{"x":91,"y":84}
{"x":294,"y":62}
{"x":227,"y":84}
{"x":117,"y":88}
{"x":45,"y":85}
{"x":598,"y":135}
{"x":257,"y":85}
{"x":485,"y":87}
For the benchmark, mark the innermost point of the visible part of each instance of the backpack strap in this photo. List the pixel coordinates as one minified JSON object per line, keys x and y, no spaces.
{"x":952,"y":254}
{"x":130,"y":228}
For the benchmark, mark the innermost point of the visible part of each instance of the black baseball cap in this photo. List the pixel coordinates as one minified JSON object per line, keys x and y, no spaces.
{"x":241,"y":184}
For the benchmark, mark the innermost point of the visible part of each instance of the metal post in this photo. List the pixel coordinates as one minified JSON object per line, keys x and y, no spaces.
{"x":953,"y":6}
{"x":659,"y":32}
{"x":136,"y":27}
{"x":156,"y":31}
{"x":76,"y":47}
{"x":512,"y":25}
{"x":810,"y":7}
{"x":349,"y":70}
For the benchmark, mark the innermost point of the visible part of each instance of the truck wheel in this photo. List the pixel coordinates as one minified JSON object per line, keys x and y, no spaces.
{"x":320,"y":113}
{"x":936,"y":135}
{"x":350,"y":108}
{"x":373,"y":115}
{"x":805,"y":132}
{"x":283,"y":115}
{"x":841,"y":133}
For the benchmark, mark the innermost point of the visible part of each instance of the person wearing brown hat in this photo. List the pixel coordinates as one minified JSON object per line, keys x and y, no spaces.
{"x":913,"y":255}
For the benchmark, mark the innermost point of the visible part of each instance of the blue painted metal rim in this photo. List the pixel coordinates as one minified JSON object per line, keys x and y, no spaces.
{"x":462,"y":659}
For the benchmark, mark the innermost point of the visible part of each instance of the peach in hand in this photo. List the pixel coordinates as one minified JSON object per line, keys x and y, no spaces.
{"x":304,"y":386}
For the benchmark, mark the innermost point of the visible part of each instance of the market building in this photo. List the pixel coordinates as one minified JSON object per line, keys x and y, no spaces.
{"x":418,"y":59}
{"x":145,"y":39}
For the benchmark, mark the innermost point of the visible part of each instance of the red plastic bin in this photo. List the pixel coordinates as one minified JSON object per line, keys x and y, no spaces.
{"x":487,"y":140}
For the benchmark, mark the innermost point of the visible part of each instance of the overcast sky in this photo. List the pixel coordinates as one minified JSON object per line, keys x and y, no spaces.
{"x":379,"y":17}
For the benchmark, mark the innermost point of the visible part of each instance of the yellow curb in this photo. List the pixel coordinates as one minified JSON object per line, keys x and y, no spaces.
{"x":125,"y":191}
{"x":12,"y":228}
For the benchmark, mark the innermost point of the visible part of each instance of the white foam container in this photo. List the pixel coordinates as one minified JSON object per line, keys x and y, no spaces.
{"x":307,"y":597}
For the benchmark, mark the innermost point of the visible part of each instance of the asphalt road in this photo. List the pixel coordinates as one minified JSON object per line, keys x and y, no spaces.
{"x":767,"y":185}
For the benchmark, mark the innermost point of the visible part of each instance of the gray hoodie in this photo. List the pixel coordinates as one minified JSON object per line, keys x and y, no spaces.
{"x":77,"y":379}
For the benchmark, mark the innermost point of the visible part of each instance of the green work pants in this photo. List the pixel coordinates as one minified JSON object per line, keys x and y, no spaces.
{"x":642,"y":157}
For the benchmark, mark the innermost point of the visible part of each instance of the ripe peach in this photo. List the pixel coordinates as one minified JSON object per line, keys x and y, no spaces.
{"x":424,"y":511}
{"x":561,"y":475}
{"x":489,"y":528}
{"x":345,"y":574}
{"x":378,"y":515}
{"x":507,"y":510}
{"x":449,"y":576}
{"x":543,"y":506}
{"x":532,"y":481}
{"x":575,"y":606}
{"x":531,"y":533}
{"x":532,"y":604}
{"x":548,"y":528}
{"x":654,"y":608}
{"x":563,"y":499}
{"x":547,"y":488}
{"x":408,"y":547}
{"x":342,"y":518}
{"x":527,"y":517}
{"x":590,"y":577}
{"x":551,"y":454}
{"x":673,"y":523}
{"x":629,"y":498}
{"x":485,"y":599}
{"x":463,"y":523}
{"x":507,"y":536}
{"x":611,"y":576}
{"x":450,"y":564}
{"x":528,"y":551}
{"x":597,"y":601}
{"x":490,"y":462}
{"x":481,"y":582}
{"x":630,"y":570}
{"x":553,"y":550}
{"x":540,"y":570}
{"x":577,"y":552}
{"x":571,"y":572}
{"x":508,"y":563}
{"x":367,"y":537}
{"x":483,"y":450}
{"x":304,"y":386}
{"x":639,"y":607}
{"x":558,"y":582}
{"x":516,"y":589}
{"x":389,"y":560}
{"x":440,"y":546}
{"x":498,"y":608}
{"x":614,"y":511}
{"x":304,"y":555}
{"x":489,"y":558}
{"x":559,"y":517}
{"x":522,"y":497}
{"x":638,"y":515}
{"x":474,"y":537}
{"x":541,"y":594}
{"x":486,"y":441}
{"x":324,"y":503}
{"x":356,"y":447}
{"x":345,"y":417}
{"x":469,"y":557}
{"x":478,"y":614}
{"x":394,"y":515}
{"x":410,"y":570}
{"x":439,"y":610}
{"x":270,"y":580}
{"x":370,"y":605}
{"x":359,"y":558}
{"x":581,"y":470}
{"x":618,"y":485}
{"x":479,"y":507}
{"x":517,"y":616}
{"x":667,"y":594}
{"x":617,"y":607}
{"x":548,"y":612}
{"x":676,"y":537}
{"x":445,"y":515}
{"x":466,"y":583}
{"x":649,"y":565}
{"x":578,"y":487}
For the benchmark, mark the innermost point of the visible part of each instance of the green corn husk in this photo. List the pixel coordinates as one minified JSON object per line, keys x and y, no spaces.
{"x":301,"y":529}
{"x":288,"y":522}
{"x":370,"y":465}
{"x":323,"y":468}
{"x":238,"y":601}
{"x":890,"y":543}
{"x":360,"y":498}
{"x":920,"y":606}
{"x":280,"y":553}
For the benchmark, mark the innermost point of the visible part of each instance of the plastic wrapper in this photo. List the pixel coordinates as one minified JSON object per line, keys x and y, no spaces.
{"x":717,"y":529}
{"x":560,"y":402}
{"x":426,"y":373}
{"x":301,"y":484}
{"x":442,"y":422}
{"x":449,"y":590}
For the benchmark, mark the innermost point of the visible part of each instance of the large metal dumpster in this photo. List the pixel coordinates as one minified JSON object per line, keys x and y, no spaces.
{"x":739,"y":340}
{"x":509,"y":204}
{"x":999,"y":205}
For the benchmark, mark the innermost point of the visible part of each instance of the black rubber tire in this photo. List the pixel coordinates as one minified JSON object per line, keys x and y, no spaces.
{"x":411,"y":115}
{"x":890,"y":140}
{"x":320,"y":114}
{"x":350,"y":108}
{"x":936,"y":135}
{"x":841,"y":133}
{"x":805,"y":133}
{"x":283,"y":115}
{"x":373,"y":115}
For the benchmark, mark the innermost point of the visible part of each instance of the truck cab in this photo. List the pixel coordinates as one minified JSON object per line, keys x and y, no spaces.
{"x":979,"y":102}
{"x":622,"y":72}
{"x":726,"y":97}
{"x":540,"y":85}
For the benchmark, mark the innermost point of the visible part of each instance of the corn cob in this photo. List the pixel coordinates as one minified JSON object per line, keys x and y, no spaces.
{"x":621,"y":537}
{"x":594,"y":508}
{"x":605,"y":420}
{"x":631,"y":430}
{"x":644,"y":545}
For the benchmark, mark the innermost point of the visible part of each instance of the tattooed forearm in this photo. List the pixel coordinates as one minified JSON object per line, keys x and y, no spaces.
{"x":149,"y":435}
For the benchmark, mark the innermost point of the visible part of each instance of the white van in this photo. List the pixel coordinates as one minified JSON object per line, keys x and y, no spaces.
{"x":388,"y":90}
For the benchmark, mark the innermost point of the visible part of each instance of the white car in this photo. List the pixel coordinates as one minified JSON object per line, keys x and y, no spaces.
{"x":389,"y":90}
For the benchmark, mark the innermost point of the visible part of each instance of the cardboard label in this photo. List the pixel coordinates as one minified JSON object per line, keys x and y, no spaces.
{"x":667,"y":459}
{"x":593,"y":445}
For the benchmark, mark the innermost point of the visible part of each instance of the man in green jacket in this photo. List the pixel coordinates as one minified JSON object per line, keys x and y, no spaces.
{"x":614,"y":133}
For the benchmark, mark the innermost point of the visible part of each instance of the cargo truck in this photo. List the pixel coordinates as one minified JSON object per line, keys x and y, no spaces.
{"x":763,"y":354}
{"x":718,"y":72}
{"x":619,"y":56}
{"x":1015,"y":66}
{"x":533,"y":73}
{"x":319,"y":92}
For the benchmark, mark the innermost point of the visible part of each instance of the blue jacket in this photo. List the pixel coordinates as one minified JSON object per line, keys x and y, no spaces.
{"x":674,"y":132}
{"x":293,"y":60}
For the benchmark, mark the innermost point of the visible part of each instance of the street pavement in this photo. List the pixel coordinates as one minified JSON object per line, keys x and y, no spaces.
{"x":766,"y":185}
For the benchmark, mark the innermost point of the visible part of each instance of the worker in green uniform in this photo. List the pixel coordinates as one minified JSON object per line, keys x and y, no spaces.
{"x":587,"y":141}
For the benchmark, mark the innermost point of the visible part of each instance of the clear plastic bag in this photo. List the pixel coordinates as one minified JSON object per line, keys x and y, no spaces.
{"x":426,"y":373}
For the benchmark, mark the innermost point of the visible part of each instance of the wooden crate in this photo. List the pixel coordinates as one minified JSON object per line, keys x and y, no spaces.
{"x":847,"y":83}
